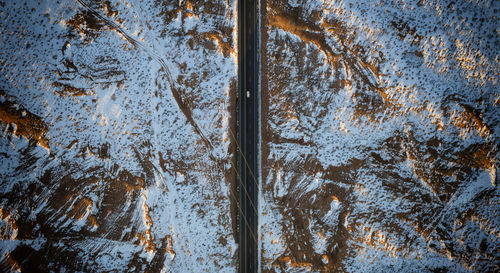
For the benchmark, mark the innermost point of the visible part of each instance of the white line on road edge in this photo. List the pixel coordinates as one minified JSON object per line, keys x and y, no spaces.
{"x":259,"y":138}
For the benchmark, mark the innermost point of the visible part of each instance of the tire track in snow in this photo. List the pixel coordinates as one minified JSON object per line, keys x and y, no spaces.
{"x":178,"y":99}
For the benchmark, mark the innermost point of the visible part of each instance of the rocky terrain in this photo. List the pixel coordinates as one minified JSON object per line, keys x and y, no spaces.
{"x":380,"y":141}
{"x":115,"y":152}
{"x":380,"y":136}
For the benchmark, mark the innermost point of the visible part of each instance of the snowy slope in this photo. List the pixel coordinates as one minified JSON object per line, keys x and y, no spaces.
{"x":115,"y":153}
{"x":380,"y":136}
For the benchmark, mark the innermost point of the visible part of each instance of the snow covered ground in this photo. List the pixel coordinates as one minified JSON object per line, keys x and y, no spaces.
{"x":380,"y":136}
{"x":115,"y":152}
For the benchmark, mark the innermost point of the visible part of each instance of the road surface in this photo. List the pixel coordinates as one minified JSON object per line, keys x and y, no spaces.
{"x":248,"y":116}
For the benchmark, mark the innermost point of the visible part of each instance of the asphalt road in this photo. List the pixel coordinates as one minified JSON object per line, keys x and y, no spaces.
{"x":248,"y":116}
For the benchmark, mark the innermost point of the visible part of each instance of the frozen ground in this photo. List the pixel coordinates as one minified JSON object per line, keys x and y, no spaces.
{"x":380,"y":133}
{"x":114,"y":148}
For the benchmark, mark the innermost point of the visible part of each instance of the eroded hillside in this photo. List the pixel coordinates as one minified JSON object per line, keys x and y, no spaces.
{"x":380,"y":136}
{"x":115,"y":152}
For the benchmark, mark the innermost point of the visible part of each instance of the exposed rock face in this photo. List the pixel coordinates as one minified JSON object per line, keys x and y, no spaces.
{"x":380,"y":136}
{"x":115,"y":153}
{"x":379,"y":130}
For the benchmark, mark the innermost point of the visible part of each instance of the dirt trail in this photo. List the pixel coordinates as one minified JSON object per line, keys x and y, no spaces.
{"x":137,"y":44}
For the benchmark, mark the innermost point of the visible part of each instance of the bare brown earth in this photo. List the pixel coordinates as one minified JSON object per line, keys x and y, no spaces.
{"x":396,"y":191}
{"x":131,"y":103}
{"x":23,"y":123}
